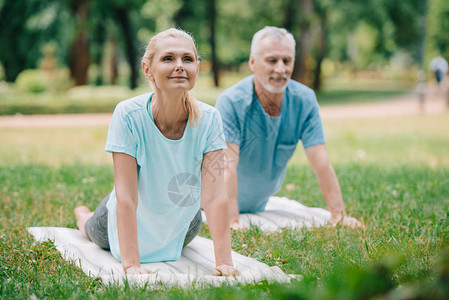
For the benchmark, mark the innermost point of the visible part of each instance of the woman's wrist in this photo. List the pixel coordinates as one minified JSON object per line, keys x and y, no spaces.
{"x":227,"y":262}
{"x":127,"y":267}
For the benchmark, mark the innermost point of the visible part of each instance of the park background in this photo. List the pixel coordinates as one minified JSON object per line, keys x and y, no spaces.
{"x":61,"y":57}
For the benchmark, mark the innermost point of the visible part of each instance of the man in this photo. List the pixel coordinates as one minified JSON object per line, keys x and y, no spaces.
{"x":264,"y":117}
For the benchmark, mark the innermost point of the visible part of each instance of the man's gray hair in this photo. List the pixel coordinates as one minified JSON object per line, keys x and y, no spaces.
{"x":274,"y":33}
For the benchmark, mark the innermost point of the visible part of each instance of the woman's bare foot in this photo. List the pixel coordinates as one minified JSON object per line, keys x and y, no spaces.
{"x":82,"y":214}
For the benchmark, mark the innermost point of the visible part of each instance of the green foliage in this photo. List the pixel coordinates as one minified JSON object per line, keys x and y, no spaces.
{"x":32,"y":81}
{"x":439,"y":26}
{"x":27,"y":25}
{"x":37,"y":81}
{"x":388,"y":26}
{"x":83,"y":99}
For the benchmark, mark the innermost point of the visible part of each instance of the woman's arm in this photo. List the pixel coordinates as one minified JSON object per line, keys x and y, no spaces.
{"x":231,"y":182}
{"x":215,"y":204}
{"x":125,"y":181}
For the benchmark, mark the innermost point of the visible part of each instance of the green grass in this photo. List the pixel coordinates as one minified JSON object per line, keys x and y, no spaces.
{"x":346,"y":96}
{"x":394,"y":174}
{"x":348,"y":89}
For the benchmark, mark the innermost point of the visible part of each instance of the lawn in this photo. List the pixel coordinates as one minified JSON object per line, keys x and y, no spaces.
{"x":95,"y":99}
{"x":394,"y":174}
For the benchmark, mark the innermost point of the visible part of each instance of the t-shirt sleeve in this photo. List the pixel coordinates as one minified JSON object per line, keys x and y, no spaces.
{"x":215,"y":138}
{"x":120,"y":135}
{"x":231,"y":124}
{"x":312,"y":130}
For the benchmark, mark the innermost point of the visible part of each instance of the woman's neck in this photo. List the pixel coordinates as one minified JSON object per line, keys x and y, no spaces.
{"x":169,"y":114}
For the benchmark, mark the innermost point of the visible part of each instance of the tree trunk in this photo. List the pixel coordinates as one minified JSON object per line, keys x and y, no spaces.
{"x":12,"y":60}
{"x":302,"y":72}
{"x":79,"y":51}
{"x":290,"y":11}
{"x":213,"y":46}
{"x":113,"y":62}
{"x":182,"y":15}
{"x":322,"y":47}
{"x":128,"y":35}
{"x":99,"y":38}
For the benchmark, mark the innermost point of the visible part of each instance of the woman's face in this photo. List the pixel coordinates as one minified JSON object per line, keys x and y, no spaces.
{"x":174,"y":66}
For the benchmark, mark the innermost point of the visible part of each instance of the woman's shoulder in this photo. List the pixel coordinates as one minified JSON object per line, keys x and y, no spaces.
{"x":206,"y":108}
{"x":208,"y":113}
{"x":135,"y":103}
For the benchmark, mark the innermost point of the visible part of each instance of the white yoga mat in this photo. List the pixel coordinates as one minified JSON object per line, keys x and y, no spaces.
{"x":193,"y":270}
{"x":281,"y":212}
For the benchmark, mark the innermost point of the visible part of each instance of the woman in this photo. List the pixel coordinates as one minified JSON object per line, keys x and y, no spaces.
{"x":167,"y":151}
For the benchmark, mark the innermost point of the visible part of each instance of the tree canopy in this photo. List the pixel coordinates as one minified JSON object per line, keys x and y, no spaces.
{"x":87,"y":33}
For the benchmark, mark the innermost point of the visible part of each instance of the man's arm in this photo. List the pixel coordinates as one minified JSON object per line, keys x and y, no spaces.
{"x":328,"y":182}
{"x":232,"y":154}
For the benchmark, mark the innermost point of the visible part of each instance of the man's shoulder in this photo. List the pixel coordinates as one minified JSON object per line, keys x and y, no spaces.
{"x":298,"y":89}
{"x":301,"y":93}
{"x":241,"y":92}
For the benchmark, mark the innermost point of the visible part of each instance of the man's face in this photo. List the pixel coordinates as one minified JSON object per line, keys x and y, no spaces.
{"x":273,"y":63}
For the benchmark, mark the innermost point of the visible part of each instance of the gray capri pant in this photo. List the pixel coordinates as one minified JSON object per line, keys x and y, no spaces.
{"x":97,"y":226}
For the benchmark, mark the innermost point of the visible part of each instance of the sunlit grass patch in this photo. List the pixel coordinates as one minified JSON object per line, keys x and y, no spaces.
{"x":54,"y":146}
{"x":419,"y":139}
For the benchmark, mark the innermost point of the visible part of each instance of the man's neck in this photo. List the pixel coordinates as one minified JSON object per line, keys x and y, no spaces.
{"x":271,"y":102}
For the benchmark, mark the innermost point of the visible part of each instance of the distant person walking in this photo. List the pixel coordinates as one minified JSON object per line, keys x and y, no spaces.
{"x":439,"y":67}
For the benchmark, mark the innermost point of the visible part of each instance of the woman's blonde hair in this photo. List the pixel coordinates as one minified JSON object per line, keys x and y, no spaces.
{"x":189,"y":100}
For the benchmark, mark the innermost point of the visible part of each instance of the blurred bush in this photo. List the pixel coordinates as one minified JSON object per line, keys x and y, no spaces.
{"x":81,"y":99}
{"x":100,"y":92}
{"x":39,"y":81}
{"x":32,"y":81}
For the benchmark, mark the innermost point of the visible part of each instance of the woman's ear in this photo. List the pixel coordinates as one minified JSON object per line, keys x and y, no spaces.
{"x":146,"y":71}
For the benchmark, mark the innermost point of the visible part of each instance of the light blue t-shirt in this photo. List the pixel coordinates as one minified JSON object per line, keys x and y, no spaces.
{"x":266,"y":142}
{"x":169,"y":175}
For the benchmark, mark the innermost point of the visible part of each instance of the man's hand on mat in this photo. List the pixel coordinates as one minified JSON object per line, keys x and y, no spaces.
{"x":225,"y":270}
{"x":137,"y":270}
{"x":347,"y":221}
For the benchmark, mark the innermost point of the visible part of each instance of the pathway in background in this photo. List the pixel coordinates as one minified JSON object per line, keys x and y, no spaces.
{"x":435,"y":102}
{"x":60,"y":120}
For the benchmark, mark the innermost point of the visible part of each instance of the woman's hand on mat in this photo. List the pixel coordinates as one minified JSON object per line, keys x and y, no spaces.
{"x":347,"y":221}
{"x":236,"y":226}
{"x":225,"y":270}
{"x":137,"y":270}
